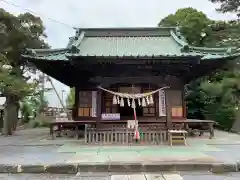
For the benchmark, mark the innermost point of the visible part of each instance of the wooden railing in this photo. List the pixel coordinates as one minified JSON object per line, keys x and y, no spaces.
{"x":123,"y":136}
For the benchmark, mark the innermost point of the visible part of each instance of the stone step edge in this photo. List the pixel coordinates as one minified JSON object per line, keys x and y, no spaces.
{"x":120,"y":167}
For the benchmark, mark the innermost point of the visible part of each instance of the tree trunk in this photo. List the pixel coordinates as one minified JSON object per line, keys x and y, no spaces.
{"x":16,"y":120}
{"x":1,"y":120}
{"x":10,"y":114}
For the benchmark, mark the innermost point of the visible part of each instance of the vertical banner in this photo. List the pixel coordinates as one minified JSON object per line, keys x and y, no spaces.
{"x":162,"y":103}
{"x":94,"y":103}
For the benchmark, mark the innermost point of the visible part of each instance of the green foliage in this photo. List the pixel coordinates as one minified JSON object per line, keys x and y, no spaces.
{"x":192,"y":24}
{"x":218,"y":97}
{"x":31,"y":106}
{"x":40,"y":121}
{"x":199,"y":30}
{"x":228,"y":6}
{"x":18,"y":33}
{"x":26,"y":111}
{"x":71,"y":98}
{"x":215,"y":97}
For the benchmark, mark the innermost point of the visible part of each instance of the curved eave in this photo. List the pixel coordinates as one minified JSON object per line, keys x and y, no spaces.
{"x":182,"y":42}
{"x":47,"y":51}
{"x":53,"y":57}
{"x":215,"y":57}
{"x":67,"y":56}
{"x":60,"y":70}
{"x":162,"y":56}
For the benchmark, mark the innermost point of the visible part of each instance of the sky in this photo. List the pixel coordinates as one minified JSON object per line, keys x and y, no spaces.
{"x":101,"y":13}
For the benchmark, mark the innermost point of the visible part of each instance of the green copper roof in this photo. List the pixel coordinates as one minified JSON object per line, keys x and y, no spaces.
{"x":129,"y":46}
{"x":48,"y":54}
{"x":147,"y":42}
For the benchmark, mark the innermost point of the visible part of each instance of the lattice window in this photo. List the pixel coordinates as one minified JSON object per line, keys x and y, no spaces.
{"x":150,"y":110}
{"x":108,"y":105}
{"x":85,"y":104}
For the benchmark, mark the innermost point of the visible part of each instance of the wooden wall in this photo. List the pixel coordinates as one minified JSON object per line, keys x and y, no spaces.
{"x":176,"y":103}
{"x":84,"y":106}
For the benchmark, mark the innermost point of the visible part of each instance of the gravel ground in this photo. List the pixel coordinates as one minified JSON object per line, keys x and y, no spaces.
{"x":183,"y":176}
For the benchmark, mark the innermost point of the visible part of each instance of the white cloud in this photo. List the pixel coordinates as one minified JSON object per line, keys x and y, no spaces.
{"x":104,"y":13}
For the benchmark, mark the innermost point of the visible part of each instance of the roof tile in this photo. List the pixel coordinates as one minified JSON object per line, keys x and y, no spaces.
{"x":129,"y":46}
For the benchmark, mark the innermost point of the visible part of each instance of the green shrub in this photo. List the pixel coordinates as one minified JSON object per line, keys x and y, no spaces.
{"x":33,"y":124}
{"x":40,"y":121}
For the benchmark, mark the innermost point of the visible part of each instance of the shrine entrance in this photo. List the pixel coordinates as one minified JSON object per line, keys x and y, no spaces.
{"x":126,"y":112}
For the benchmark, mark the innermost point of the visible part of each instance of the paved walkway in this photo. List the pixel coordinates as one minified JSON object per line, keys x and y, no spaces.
{"x":35,"y":147}
{"x":107,"y":176}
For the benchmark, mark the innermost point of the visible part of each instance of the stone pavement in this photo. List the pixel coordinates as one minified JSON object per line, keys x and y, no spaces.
{"x":107,"y":176}
{"x":34,"y":147}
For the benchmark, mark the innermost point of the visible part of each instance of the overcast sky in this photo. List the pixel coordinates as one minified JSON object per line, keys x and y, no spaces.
{"x":102,"y":13}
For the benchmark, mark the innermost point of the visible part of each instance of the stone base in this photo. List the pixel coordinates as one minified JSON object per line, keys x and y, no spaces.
{"x":119,"y":167}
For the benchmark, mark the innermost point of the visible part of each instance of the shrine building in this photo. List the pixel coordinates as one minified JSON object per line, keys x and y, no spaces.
{"x":104,"y":64}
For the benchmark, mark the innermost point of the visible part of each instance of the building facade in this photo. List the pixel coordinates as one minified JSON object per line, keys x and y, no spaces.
{"x":129,"y":60}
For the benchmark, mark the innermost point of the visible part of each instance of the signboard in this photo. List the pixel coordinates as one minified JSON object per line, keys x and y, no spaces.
{"x":61,"y":119}
{"x":132,"y":123}
{"x":111,"y":116}
{"x":162,"y":103}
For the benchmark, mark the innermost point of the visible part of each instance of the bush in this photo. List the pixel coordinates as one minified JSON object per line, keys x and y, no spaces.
{"x":33,"y":124}
{"x":225,"y":116}
{"x":40,"y":121}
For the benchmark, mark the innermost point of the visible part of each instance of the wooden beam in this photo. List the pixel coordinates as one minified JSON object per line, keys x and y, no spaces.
{"x":99,"y":106}
{"x":75,"y":106}
{"x":168,"y":110}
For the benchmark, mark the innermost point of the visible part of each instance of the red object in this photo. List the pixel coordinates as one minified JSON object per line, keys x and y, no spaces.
{"x":136,"y":134}
{"x":135,"y":116}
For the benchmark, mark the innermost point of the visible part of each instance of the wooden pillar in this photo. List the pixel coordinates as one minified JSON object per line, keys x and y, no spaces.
{"x":156,"y":101}
{"x":75,"y":106}
{"x":168,"y":110}
{"x":99,"y":107}
{"x":184,"y":105}
{"x":184,"y":109}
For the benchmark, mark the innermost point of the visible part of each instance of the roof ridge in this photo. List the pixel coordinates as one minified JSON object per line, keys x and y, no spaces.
{"x":76,"y":44}
{"x":124,"y":28}
{"x":178,"y":40}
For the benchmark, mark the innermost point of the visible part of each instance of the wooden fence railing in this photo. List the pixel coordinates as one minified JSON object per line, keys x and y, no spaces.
{"x":123,"y":137}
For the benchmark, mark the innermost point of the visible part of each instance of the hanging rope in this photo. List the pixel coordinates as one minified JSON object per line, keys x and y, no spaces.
{"x":132,"y":96}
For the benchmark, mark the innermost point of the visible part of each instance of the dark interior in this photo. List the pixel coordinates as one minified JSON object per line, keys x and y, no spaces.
{"x":126,"y":112}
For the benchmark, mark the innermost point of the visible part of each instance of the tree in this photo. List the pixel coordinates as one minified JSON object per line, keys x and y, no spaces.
{"x":215,"y":97}
{"x":31,"y":106}
{"x":193,"y":24}
{"x":20,"y":32}
{"x":71,"y":98}
{"x":228,"y":6}
{"x":221,"y":97}
{"x":224,"y":34}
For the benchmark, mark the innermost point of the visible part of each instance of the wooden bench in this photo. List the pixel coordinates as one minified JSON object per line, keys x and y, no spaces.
{"x":177,"y":136}
{"x":194,"y":126}
{"x":62,"y":126}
